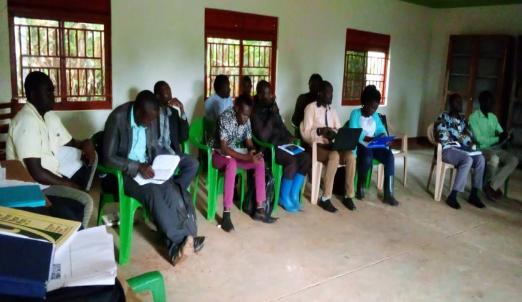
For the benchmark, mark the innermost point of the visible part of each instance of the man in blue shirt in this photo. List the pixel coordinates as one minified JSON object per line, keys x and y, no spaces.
{"x":217,"y":103}
{"x":130,"y":144}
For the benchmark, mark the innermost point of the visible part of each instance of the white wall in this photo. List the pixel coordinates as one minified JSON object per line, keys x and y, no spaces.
{"x":506,"y":19}
{"x":163,"y":39}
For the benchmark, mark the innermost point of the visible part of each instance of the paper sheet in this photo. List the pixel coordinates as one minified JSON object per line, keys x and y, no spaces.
{"x":163,"y":166}
{"x":70,"y":160}
{"x":88,"y":259}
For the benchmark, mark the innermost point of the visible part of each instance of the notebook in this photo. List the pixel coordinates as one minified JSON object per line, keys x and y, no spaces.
{"x":21,"y":196}
{"x":292,"y":149}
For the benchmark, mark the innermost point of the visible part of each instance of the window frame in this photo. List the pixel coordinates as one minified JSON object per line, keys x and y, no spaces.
{"x":64,"y":16}
{"x":364,"y":41}
{"x":243,"y":27}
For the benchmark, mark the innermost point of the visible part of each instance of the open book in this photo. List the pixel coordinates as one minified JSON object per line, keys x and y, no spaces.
{"x":163,"y":166}
{"x":70,"y":160}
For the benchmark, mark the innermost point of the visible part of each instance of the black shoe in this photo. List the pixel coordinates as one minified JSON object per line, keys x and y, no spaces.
{"x":261,"y":215}
{"x":475,"y":200}
{"x":199,"y":243}
{"x":176,"y":254}
{"x":327,"y":205}
{"x":227,"y":225}
{"x":490,"y":193}
{"x":388,"y":192}
{"x":452,"y":202}
{"x":348,"y":203}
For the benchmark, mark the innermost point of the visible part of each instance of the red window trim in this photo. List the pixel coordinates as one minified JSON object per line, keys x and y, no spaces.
{"x":92,"y":11}
{"x":242,"y":26}
{"x":359,"y":40}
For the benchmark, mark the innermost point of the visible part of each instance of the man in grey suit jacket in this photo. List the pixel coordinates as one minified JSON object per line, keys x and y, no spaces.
{"x":130,"y":144}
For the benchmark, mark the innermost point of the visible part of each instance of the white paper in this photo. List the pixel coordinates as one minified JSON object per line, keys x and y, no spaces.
{"x":15,"y":183}
{"x":88,"y":259}
{"x":163,"y":166}
{"x":241,"y":150}
{"x":70,"y":161}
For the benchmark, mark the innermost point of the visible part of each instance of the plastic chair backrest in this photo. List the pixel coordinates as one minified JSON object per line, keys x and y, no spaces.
{"x":197,"y":132}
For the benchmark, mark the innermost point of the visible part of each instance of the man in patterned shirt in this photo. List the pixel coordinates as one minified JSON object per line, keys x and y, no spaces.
{"x":234,"y":149}
{"x":457,"y":140}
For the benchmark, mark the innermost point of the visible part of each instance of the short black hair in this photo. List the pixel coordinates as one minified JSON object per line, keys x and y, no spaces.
{"x":146,"y":100}
{"x":485,"y":96}
{"x":246,"y":79}
{"x":261,"y":85}
{"x":35,"y":79}
{"x":219,"y":81}
{"x":315,"y":77}
{"x":370,"y":94}
{"x":324,"y":85}
{"x":243,"y":100}
{"x":452,"y":97}
{"x":158,"y":86}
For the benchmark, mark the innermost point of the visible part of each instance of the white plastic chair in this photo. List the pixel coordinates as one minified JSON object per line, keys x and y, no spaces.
{"x":317,"y":171}
{"x":439,"y":166}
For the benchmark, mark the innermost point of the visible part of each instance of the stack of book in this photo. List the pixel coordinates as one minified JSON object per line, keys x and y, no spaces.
{"x":41,"y":253}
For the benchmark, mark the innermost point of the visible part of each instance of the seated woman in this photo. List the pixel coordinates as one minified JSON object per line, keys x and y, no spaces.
{"x":269,"y":127}
{"x":368,"y":119}
{"x":233,"y":132}
{"x":320,"y":125}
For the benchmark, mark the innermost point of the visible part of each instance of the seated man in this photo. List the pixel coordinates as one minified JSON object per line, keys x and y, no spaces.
{"x":268,"y":126}
{"x":234,"y":149}
{"x":130,"y":145}
{"x":245,"y":86}
{"x":173,"y":129}
{"x":368,"y":119}
{"x":306,"y":98}
{"x":488,"y":134}
{"x":35,"y":135}
{"x":217,"y":103}
{"x":320,"y":125}
{"x":452,"y":130}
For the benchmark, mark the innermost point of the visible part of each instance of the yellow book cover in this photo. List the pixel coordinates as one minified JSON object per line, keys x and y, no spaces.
{"x":54,"y":230}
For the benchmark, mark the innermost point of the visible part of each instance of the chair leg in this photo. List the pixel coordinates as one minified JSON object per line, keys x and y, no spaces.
{"x":212,"y":183}
{"x":101,"y":207}
{"x":380,"y":177}
{"x":438,"y":171}
{"x":405,"y":178}
{"x":278,"y":175}
{"x":195,"y":188}
{"x":151,"y":281}
{"x":368,"y":178}
{"x":441,"y":184}
{"x":506,"y":186}
{"x":128,"y":208}
{"x":430,"y":176}
{"x":316,"y":182}
{"x":242,"y":174}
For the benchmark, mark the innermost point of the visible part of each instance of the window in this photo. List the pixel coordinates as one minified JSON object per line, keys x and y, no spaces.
{"x":72,"y":49}
{"x":365,"y":63}
{"x":239,"y":44}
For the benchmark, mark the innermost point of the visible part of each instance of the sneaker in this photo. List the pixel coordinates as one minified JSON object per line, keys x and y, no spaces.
{"x":327,"y":205}
{"x":475,"y":200}
{"x":348,"y":203}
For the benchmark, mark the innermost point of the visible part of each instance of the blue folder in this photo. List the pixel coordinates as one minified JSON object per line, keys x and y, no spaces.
{"x":24,"y":266}
{"x":22,"y":196}
{"x":381,"y":142}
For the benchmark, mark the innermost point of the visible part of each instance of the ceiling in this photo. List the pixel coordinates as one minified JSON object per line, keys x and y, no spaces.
{"x":461,"y":3}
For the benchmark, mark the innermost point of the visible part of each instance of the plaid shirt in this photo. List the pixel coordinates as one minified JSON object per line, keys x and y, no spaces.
{"x":453,"y":130}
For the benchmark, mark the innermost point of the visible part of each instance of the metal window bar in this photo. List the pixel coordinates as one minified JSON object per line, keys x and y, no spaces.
{"x":237,"y":58}
{"x":361,"y":70}
{"x":40,"y":48}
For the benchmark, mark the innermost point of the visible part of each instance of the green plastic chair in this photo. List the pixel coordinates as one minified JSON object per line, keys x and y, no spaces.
{"x":151,"y":281}
{"x":215,"y":180}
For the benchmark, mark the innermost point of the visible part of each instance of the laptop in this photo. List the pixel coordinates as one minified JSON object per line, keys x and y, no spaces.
{"x":346,"y":139}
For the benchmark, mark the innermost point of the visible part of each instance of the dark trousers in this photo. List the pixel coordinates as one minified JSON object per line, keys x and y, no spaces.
{"x":365,"y":157}
{"x":170,"y":207}
{"x":188,"y":167}
{"x":293,"y":164}
{"x":61,"y":207}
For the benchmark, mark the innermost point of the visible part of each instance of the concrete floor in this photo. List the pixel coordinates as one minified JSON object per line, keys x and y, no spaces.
{"x":420,"y":251}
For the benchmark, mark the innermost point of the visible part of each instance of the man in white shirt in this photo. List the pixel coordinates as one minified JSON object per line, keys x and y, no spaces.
{"x":217,"y":103}
{"x":36,"y":134}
